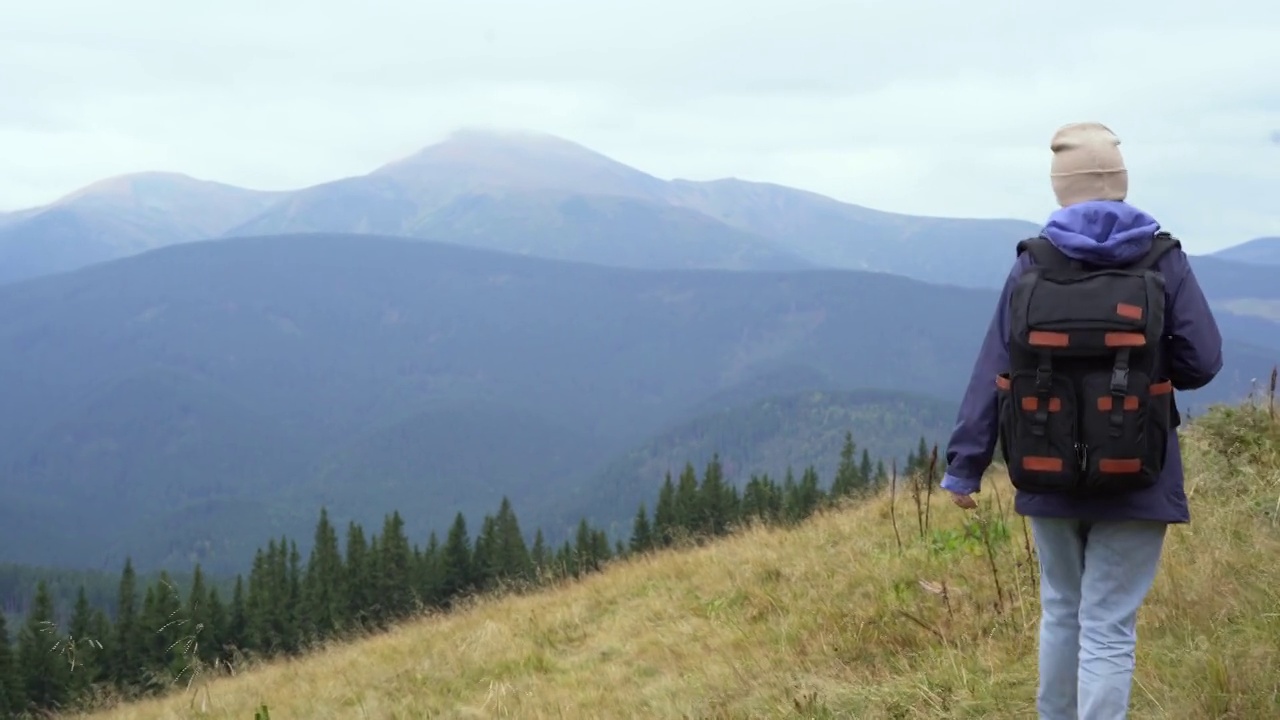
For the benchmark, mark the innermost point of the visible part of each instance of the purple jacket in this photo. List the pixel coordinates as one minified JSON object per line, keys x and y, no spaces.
{"x":1100,"y":233}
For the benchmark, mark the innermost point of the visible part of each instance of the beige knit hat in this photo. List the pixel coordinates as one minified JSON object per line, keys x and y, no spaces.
{"x":1087,"y":164}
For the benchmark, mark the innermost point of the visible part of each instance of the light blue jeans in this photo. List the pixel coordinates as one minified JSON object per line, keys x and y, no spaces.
{"x":1093,"y":579}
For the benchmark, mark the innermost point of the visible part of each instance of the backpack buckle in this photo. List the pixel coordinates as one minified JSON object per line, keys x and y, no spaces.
{"x":1120,"y":381}
{"x":1119,"y":391}
{"x":1044,"y":374}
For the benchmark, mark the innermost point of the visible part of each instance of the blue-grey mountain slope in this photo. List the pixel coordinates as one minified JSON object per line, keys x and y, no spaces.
{"x":1262,"y":251}
{"x":119,"y":217}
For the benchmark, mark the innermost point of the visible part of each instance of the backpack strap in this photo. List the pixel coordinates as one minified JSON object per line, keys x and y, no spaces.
{"x":1047,"y":255}
{"x":1161,"y":243}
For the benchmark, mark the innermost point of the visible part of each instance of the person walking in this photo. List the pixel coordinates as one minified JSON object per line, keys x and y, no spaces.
{"x":1100,"y":320}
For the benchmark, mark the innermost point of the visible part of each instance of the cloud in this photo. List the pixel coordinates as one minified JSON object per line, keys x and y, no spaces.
{"x":930,"y":106}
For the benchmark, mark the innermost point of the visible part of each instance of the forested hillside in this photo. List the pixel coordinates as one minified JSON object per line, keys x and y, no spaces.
{"x":157,"y":636}
{"x":238,"y":385}
{"x":895,"y":605}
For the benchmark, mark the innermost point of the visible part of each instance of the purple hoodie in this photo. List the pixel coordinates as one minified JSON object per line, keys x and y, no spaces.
{"x":1101,"y":233}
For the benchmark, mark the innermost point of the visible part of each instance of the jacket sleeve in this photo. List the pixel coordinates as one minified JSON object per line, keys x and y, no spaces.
{"x":973,"y":440}
{"x":1194,"y":342}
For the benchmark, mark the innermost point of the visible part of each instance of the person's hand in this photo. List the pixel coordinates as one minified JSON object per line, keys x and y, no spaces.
{"x":965,"y":501}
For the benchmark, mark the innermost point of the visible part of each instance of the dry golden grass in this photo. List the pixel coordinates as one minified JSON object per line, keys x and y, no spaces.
{"x":827,"y":620}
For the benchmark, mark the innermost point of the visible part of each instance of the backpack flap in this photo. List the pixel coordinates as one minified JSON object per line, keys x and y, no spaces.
{"x":1087,"y":313}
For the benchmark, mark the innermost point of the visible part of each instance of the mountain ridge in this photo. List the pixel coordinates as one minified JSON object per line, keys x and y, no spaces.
{"x":537,"y":193}
{"x":120,"y":216}
{"x":1263,"y":250}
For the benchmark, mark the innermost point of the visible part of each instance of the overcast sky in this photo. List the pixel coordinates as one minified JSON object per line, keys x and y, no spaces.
{"x":934,"y":107}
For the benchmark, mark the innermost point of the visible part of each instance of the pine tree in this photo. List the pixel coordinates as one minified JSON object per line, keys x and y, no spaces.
{"x":792,"y":509}
{"x":12,"y":690}
{"x":718,"y":501}
{"x":359,"y":577}
{"x":44,"y":672}
{"x":126,"y":645}
{"x":322,"y":585}
{"x":600,"y":550}
{"x":217,"y":633}
{"x":197,"y":636}
{"x":539,"y":555}
{"x":483,"y":565}
{"x":688,"y":507}
{"x":293,"y":616}
{"x":513,"y":561}
{"x":457,"y":561}
{"x":84,"y":648}
{"x":665,"y":520}
{"x":165,"y":625}
{"x":918,"y":461}
{"x":584,"y":550}
{"x":566,"y":562}
{"x":641,"y":536}
{"x":866,"y":475}
{"x":846,"y":472}
{"x":752,"y":500}
{"x":810,"y":492}
{"x":257,"y":604}
{"x":396,"y":569}
{"x":771,"y":499}
{"x":431,"y":573}
{"x":100,"y":628}
{"x":236,"y":637}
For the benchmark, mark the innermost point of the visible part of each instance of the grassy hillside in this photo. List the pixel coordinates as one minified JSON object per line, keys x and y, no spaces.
{"x":857,"y":613}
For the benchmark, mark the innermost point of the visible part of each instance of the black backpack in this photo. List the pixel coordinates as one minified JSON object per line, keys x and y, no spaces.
{"x":1085,"y":407}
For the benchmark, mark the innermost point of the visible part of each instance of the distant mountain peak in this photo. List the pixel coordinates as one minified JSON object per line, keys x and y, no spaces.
{"x":126,"y":185}
{"x":479,"y":140}
{"x":478,"y":158}
{"x":152,"y":187}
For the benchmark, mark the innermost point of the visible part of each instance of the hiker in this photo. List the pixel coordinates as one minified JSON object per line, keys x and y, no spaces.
{"x":1076,"y":376}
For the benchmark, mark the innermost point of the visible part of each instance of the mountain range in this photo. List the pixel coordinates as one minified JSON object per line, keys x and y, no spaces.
{"x":531,"y":194}
{"x":190,"y":369}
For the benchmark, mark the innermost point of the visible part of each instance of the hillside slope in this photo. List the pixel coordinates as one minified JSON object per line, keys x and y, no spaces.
{"x":971,"y":252}
{"x":832,"y":619}
{"x":238,"y":385}
{"x":773,"y":435}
